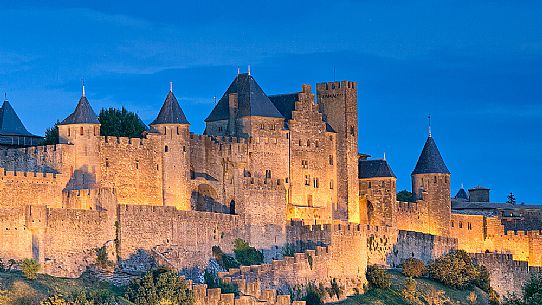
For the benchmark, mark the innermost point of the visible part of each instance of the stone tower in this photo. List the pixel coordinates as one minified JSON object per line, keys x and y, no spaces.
{"x":174,"y":128}
{"x":244,"y":111}
{"x":431,"y":184}
{"x":377,"y":189}
{"x":338,"y":102}
{"x":82,"y":130}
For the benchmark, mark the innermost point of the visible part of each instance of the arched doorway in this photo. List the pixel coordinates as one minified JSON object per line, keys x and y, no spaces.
{"x":232,"y":207}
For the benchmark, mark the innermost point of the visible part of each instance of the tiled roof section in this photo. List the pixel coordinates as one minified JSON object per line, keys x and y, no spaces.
{"x":285,"y":103}
{"x":374,"y":169}
{"x":10,"y":124}
{"x":461,"y":194}
{"x":83,"y":114}
{"x":430,"y":160}
{"x":171,"y":112}
{"x":492,"y":205}
{"x":251,"y":101}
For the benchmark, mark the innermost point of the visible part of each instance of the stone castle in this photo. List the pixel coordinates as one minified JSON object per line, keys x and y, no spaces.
{"x":276,"y":171}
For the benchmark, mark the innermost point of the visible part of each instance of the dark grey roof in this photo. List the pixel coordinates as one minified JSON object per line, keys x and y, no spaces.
{"x":430,"y":160}
{"x":374,"y":169}
{"x":491,"y":205}
{"x":251,"y":100}
{"x":479,"y":187}
{"x":285,"y":103}
{"x":83,"y":114}
{"x":171,"y":112}
{"x":461,"y":194}
{"x":10,"y":124}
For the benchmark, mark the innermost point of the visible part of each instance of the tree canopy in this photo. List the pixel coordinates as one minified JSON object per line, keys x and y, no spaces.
{"x":405,"y":196}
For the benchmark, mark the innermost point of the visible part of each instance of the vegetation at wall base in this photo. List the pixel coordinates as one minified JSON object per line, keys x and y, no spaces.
{"x":159,"y":286}
{"x":245,"y":254}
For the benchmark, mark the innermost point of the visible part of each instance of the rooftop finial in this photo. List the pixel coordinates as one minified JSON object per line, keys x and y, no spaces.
{"x":462,"y":185}
{"x":83,"y":87}
{"x":238,"y":70}
{"x":384,"y":156}
{"x":170,"y":86}
{"x":248,"y":69}
{"x":5,"y":96}
{"x":429,"y":118}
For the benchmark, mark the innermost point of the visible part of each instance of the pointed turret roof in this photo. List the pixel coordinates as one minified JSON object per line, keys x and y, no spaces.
{"x":461,"y":194}
{"x":10,"y":124}
{"x":430,"y":160}
{"x":171,"y":112}
{"x":251,"y":100}
{"x":374,"y":169}
{"x":83,"y":114}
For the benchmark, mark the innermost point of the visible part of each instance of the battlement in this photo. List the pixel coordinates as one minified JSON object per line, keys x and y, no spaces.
{"x":532,"y":233}
{"x":251,"y":294}
{"x":262,"y":183}
{"x":135,"y":211}
{"x":132,"y":142}
{"x":335,"y":85}
{"x":21,"y":176}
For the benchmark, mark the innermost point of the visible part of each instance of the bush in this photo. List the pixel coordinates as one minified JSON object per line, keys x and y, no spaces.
{"x":314,"y":295}
{"x":30,"y":268}
{"x":101,"y":258}
{"x":414,"y":267}
{"x":159,"y":286}
{"x":334,"y":289}
{"x":457,"y":270}
{"x":494,"y":298}
{"x":54,"y":300}
{"x":223,"y":259}
{"x":378,"y":277}
{"x":214,"y":281}
{"x":288,"y":250}
{"x":409,"y":293}
{"x":247,"y":255}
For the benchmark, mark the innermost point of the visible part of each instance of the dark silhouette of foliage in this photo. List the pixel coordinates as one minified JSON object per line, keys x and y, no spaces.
{"x":30,"y":268}
{"x":247,"y":255}
{"x":314,"y":295}
{"x":120,"y":123}
{"x":511,"y":198}
{"x":51,"y":135}
{"x":457,"y":270}
{"x":214,"y":281}
{"x":224,"y":260}
{"x":405,"y":196}
{"x":159,"y":285}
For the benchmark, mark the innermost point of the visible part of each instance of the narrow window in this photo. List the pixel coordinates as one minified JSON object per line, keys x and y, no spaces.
{"x":316,"y":144}
{"x":460,"y":224}
{"x":220,"y":128}
{"x":268,"y":173}
{"x":304,"y":164}
{"x":178,"y":132}
{"x":69,"y":132}
{"x":331,"y":184}
{"x":435,"y":178}
{"x":137,"y":164}
{"x":352,"y":131}
{"x":273,"y":127}
{"x":316,"y":183}
{"x":452,"y":223}
{"x":106,"y":162}
{"x":369,"y":186}
{"x":184,"y":148}
{"x":166,"y":148}
{"x":469,"y":225}
{"x":307,"y":180}
{"x":81,"y":131}
{"x":309,"y":200}
{"x":300,"y":144}
{"x":330,"y":159}
{"x":308,"y":143}
{"x":262,"y":126}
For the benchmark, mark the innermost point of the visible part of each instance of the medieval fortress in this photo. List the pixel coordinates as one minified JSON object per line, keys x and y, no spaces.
{"x":273,"y":170}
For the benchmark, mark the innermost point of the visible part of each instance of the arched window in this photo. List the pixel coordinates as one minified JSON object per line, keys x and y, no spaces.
{"x":232,"y":207}
{"x":166,"y":148}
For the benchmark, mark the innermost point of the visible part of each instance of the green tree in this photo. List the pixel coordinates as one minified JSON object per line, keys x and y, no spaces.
{"x":30,"y":268}
{"x":223,"y":259}
{"x":511,"y":198}
{"x":51,"y":135}
{"x":159,"y":286}
{"x":54,"y":300}
{"x":214,"y":281}
{"x":120,"y":123}
{"x":413,"y":267}
{"x":378,"y":277}
{"x":314,"y":294}
{"x":245,"y":254}
{"x":457,"y":270}
{"x":405,"y":196}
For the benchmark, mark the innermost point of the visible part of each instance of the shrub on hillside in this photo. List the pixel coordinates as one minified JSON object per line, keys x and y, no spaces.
{"x":247,"y":255}
{"x":30,"y":268}
{"x":314,"y":294}
{"x":414,"y":267}
{"x":159,"y":286}
{"x":54,"y":300}
{"x":378,"y":277}
{"x":214,"y":281}
{"x":457,"y":270}
{"x":223,"y":259}
{"x":409,"y":292}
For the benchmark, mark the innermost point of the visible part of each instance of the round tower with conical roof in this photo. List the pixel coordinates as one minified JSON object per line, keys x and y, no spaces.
{"x":174,"y":130}
{"x":82,"y":129}
{"x":431,"y":185}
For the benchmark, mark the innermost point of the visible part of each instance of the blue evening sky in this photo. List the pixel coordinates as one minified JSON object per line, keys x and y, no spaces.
{"x":475,"y":66}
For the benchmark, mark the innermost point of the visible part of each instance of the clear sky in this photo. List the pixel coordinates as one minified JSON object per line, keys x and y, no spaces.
{"x":475,"y":66}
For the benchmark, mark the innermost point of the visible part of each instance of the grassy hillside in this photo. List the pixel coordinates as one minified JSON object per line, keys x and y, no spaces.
{"x":17,"y":290}
{"x":425,"y":287}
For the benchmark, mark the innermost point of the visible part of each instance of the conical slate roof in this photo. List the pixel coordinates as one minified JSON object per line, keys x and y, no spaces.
{"x":83,"y":114}
{"x":251,"y":99}
{"x":171,"y":112}
{"x":430,"y":160}
{"x":10,"y":124}
{"x":374,"y":169}
{"x":461,"y":194}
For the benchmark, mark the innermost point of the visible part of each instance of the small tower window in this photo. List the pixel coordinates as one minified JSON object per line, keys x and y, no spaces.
{"x":81,"y":131}
{"x":304,"y":164}
{"x":273,"y":127}
{"x":369,"y":185}
{"x":309,"y":200}
{"x":307,"y":180}
{"x":220,"y":128}
{"x":262,"y":126}
{"x":435,"y":179}
{"x":268,"y":174}
{"x":308,"y":143}
{"x":316,"y":183}
{"x":452,"y":223}
{"x":460,"y":224}
{"x":331,"y":184}
{"x":330,"y":159}
{"x":137,"y":164}
{"x":69,"y":131}
{"x":469,"y":226}
{"x":178,"y":131}
{"x":166,"y":148}
{"x":316,"y":144}
{"x":352,"y":131}
{"x":300,"y":144}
